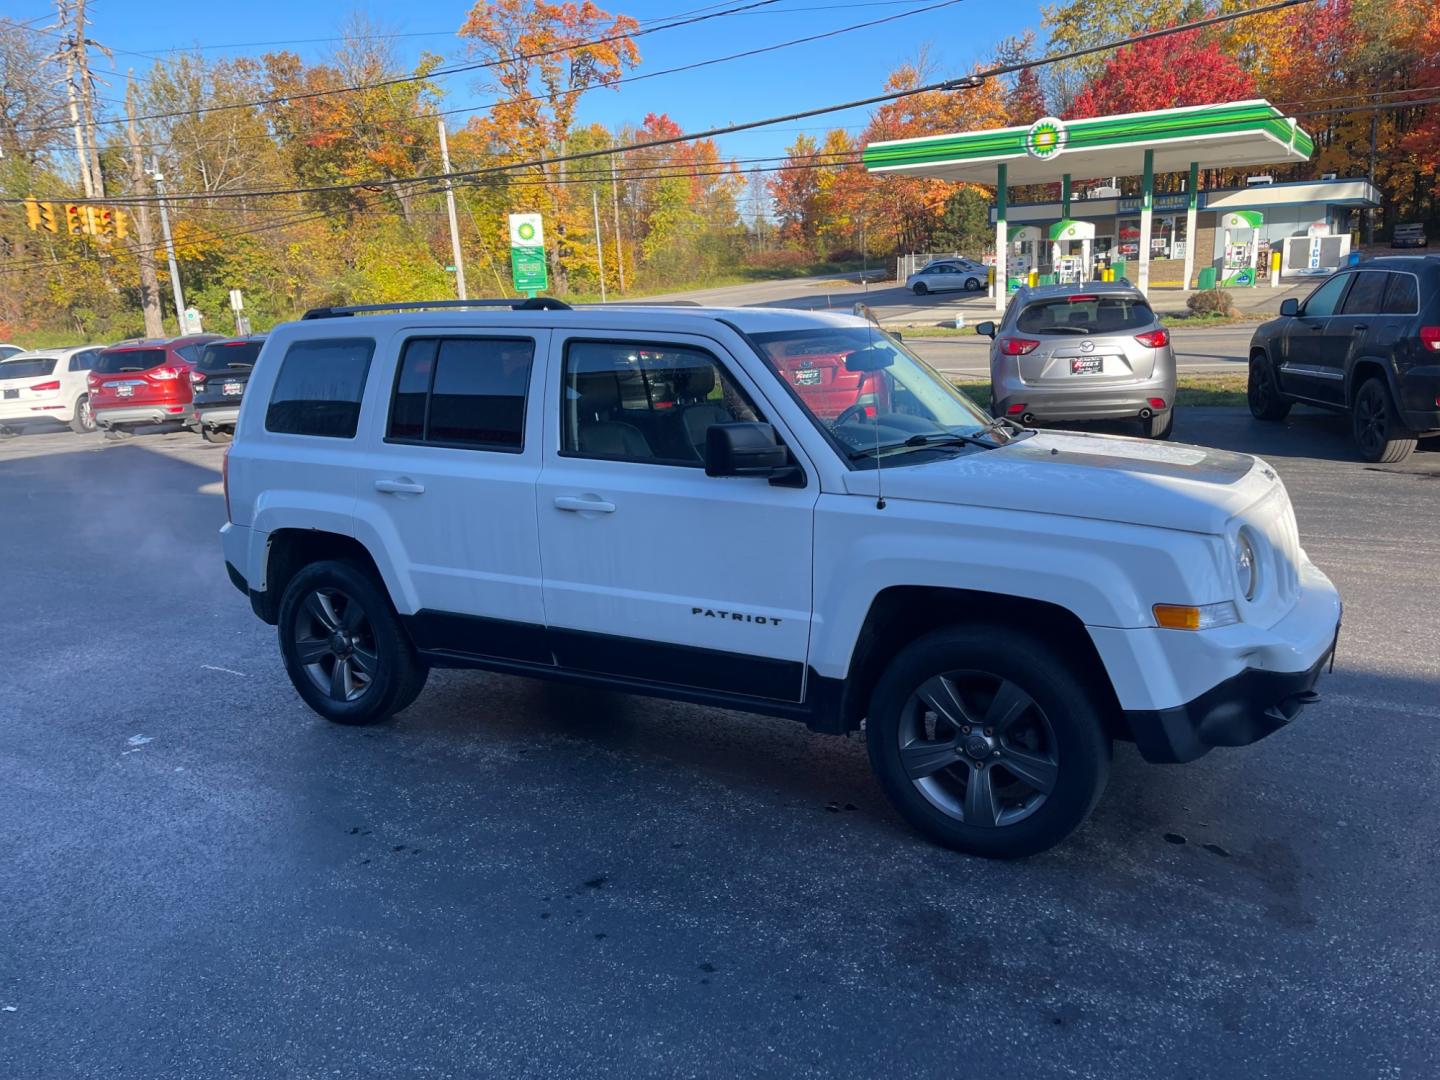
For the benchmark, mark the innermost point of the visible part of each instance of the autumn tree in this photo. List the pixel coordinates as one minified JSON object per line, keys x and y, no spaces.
{"x":1183,"y":69}
{"x":541,"y":59}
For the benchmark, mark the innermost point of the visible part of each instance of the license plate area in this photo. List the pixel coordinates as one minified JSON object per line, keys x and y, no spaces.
{"x":9,"y":394}
{"x":807,"y":377}
{"x":233,"y":389}
{"x":1087,"y":365}
{"x":124,"y":390}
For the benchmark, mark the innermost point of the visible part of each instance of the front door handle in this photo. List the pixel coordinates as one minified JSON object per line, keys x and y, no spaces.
{"x":575,"y":504}
{"x":399,"y":487}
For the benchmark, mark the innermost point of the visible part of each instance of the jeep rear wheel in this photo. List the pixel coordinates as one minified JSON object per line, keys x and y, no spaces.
{"x":344,"y":648}
{"x":987,"y":743}
{"x":1379,"y":433}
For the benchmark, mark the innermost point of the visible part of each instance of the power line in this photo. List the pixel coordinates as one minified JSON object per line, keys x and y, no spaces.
{"x":397,"y":80}
{"x":958,"y":83}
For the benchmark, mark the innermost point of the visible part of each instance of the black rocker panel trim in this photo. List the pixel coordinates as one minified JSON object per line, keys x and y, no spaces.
{"x":471,"y":635}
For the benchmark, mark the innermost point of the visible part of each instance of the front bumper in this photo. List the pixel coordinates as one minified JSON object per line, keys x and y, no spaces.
{"x":1182,"y":692}
{"x":1241,"y":710}
{"x":142,"y":414}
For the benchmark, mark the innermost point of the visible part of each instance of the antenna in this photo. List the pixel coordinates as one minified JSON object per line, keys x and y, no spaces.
{"x":871,"y":323}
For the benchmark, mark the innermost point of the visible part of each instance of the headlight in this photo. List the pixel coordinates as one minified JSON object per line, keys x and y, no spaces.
{"x":1247,"y":566}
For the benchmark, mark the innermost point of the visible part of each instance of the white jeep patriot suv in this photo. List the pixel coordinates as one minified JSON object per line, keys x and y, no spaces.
{"x":776,"y":511}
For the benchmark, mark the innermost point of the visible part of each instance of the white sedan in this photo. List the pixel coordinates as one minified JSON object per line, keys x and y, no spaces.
{"x":948,"y":277}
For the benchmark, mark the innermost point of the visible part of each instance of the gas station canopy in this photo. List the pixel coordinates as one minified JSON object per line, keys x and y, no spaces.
{"x":1233,"y":135}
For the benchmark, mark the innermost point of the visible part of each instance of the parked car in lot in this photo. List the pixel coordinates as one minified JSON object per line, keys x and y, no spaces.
{"x":948,"y":276}
{"x":475,"y":488}
{"x":1409,"y":235}
{"x":144,"y":382}
{"x":1082,"y":352}
{"x":1365,"y":342}
{"x":218,"y":383}
{"x":48,"y":385}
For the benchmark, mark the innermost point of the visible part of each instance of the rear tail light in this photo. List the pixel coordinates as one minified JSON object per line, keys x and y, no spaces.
{"x":1154,"y":339}
{"x":1015,"y":410}
{"x":197,"y":379}
{"x":92,"y":381}
{"x":164,"y":373}
{"x":1015,"y":346}
{"x":1430,"y":338}
{"x":53,"y":384}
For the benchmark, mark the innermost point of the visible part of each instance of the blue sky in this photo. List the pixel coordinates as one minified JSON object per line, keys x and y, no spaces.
{"x":849,"y":66}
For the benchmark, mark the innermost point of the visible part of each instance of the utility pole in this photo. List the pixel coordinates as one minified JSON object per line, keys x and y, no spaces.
{"x":615,"y":205}
{"x":87,"y":96}
{"x":145,"y":233}
{"x":599,"y":246}
{"x":159,"y":179}
{"x":450,"y":206}
{"x":79,"y":91}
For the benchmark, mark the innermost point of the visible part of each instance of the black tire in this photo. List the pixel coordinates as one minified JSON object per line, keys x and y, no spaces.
{"x":973,"y":284}
{"x":371,"y":630}
{"x":920,"y":288}
{"x":1380,"y":435}
{"x":1071,"y":733}
{"x":215,"y":435}
{"x":83,"y":421}
{"x":116,"y":433}
{"x":1263,"y":393}
{"x":1160,"y":425}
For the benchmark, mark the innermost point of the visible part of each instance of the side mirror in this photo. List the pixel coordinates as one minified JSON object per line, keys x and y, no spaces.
{"x":987,"y":328}
{"x":1290,"y":306}
{"x":896,"y":334}
{"x":743,"y":449}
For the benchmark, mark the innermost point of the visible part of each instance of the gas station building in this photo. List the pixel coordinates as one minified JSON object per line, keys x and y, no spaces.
{"x":1070,"y":239}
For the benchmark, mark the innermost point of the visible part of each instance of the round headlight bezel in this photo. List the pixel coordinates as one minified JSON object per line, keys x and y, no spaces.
{"x":1247,"y":565}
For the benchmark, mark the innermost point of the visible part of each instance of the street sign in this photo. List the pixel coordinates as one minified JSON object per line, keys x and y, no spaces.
{"x":527,"y":253}
{"x":190,"y":321}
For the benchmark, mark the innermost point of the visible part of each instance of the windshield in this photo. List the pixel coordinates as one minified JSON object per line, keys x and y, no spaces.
{"x":109,"y":363}
{"x":27,"y":367}
{"x":239,"y":354}
{"x":1091,"y":315}
{"x":901,"y":405}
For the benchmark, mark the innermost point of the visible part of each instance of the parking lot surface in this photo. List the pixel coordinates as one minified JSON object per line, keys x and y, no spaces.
{"x":204,"y":879}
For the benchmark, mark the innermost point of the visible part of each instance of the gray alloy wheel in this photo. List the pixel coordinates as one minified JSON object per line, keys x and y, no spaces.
{"x":84,"y":419}
{"x":335,"y":644}
{"x":972,"y":284}
{"x":920,"y":288}
{"x":978,"y":748}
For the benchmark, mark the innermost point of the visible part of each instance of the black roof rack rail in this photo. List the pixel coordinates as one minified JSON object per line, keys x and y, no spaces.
{"x":650,"y":303}
{"x":534,"y":303}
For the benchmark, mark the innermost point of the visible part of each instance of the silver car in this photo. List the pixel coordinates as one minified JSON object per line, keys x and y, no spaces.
{"x":948,"y":276}
{"x":1082,"y":352}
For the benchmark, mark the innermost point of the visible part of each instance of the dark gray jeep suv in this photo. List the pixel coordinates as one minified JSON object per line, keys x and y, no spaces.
{"x":1367,"y":342}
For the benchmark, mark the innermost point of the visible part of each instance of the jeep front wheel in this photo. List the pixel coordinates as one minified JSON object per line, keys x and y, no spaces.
{"x":987,"y":743}
{"x":1262,"y":394}
{"x":344,"y":648}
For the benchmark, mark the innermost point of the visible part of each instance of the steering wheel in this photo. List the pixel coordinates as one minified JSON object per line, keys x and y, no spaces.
{"x":851,"y":413}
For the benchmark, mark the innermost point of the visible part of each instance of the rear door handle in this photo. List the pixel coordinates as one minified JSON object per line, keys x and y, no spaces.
{"x":399,"y":487}
{"x":575,"y":504}
{"x":1360,"y":328}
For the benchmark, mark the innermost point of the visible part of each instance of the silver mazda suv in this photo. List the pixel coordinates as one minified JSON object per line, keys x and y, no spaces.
{"x":1082,"y":352}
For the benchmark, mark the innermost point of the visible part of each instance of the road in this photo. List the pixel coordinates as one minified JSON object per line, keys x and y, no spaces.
{"x":204,"y":880}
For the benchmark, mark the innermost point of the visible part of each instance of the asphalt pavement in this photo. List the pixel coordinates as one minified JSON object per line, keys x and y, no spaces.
{"x":203,"y":879}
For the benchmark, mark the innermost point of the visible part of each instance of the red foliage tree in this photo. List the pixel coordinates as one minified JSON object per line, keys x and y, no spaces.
{"x":1182,"y":69}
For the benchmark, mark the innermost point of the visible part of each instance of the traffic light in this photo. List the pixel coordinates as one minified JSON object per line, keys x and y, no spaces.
{"x":74,"y":219}
{"x":121,"y":225}
{"x":40,"y":216}
{"x":94,"y":220}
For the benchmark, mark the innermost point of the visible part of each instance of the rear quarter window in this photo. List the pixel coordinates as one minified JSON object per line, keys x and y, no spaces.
{"x":1085,"y":315}
{"x":319,"y":388}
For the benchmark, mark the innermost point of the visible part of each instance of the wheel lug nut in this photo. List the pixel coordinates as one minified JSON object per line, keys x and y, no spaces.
{"x":964,"y":731}
{"x":989,"y":731}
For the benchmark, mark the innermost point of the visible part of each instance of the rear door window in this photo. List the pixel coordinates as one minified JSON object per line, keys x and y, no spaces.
{"x":1088,"y":315}
{"x":1366,"y":296}
{"x":464,"y":392}
{"x":1402,"y":295}
{"x":319,"y":387}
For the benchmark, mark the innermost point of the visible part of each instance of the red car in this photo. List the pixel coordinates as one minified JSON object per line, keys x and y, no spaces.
{"x":144,"y":382}
{"x":816,"y":369}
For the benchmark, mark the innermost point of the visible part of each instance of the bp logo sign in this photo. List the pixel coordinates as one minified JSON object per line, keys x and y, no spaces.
{"x":525,"y":231}
{"x":1046,"y":138}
